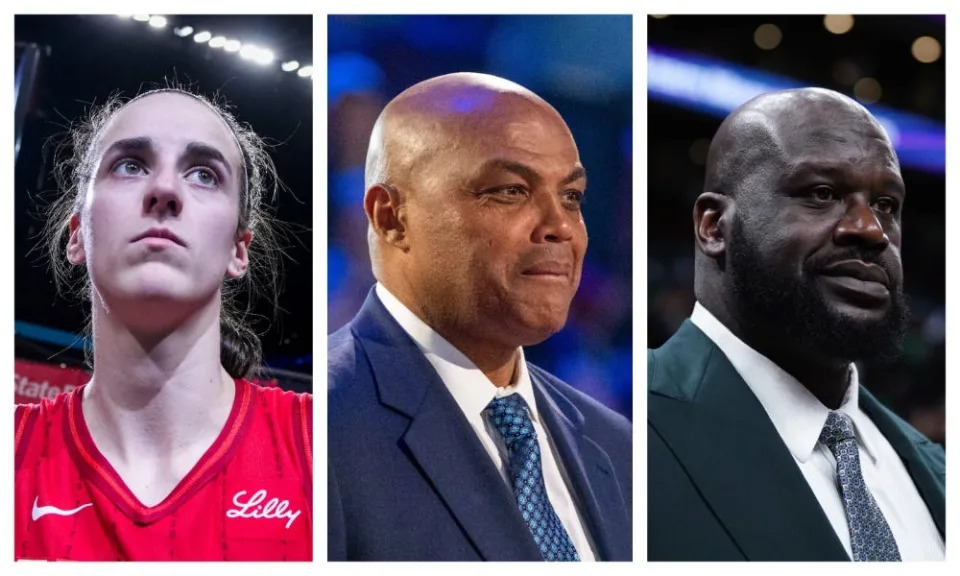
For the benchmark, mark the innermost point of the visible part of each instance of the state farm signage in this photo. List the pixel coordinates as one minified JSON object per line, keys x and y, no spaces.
{"x":34,"y":381}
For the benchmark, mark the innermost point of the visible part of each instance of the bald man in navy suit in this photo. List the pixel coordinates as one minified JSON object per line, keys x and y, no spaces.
{"x":444,"y":443}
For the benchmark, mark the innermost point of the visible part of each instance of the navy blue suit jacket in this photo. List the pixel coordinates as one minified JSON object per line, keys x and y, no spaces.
{"x":408,"y":479}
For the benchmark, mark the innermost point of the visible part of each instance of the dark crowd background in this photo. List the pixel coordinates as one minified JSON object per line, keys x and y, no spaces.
{"x":582,"y":65}
{"x":873,"y":61}
{"x":65,"y":63}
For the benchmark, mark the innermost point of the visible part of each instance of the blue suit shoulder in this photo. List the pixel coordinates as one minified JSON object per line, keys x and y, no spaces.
{"x":596,"y":415}
{"x":341,"y":357}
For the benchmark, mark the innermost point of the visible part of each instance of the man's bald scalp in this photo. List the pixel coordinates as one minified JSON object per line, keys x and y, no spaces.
{"x":753,"y":133}
{"x":422,"y":119}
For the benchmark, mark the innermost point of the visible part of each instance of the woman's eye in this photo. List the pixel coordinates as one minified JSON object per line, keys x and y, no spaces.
{"x":203,"y":177}
{"x":127,"y":167}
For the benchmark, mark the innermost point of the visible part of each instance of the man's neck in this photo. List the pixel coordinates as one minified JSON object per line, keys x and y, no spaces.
{"x":825,"y":378}
{"x":497,"y":361}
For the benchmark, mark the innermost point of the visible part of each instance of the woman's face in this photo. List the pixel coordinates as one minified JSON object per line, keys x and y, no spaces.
{"x":158,"y":222}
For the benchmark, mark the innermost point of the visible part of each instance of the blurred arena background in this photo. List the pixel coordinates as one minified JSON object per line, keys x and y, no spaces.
{"x":701,"y":67}
{"x":260,"y":64}
{"x":582,"y":65}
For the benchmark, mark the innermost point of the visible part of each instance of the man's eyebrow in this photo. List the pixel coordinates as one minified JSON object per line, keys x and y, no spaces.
{"x":529,"y":173}
{"x":575,"y":174}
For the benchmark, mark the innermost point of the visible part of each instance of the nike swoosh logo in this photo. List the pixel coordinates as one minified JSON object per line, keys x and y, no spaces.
{"x":41,"y":511}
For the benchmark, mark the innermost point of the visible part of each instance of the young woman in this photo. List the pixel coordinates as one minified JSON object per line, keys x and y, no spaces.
{"x":168,"y":453}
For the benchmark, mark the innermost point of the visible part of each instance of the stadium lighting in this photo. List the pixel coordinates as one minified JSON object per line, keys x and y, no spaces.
{"x":183,"y":32}
{"x":264,"y":57}
{"x":201,"y":37}
{"x":141,"y":17}
{"x":249,"y":51}
{"x":767,"y":36}
{"x":232,"y":45}
{"x":867,"y":90}
{"x":926,"y":49}
{"x":712,"y":86}
{"x":290,"y":66}
{"x":217,"y":42}
{"x":305,"y":72}
{"x":838,"y":23}
{"x":257,"y":54}
{"x":158,"y":21}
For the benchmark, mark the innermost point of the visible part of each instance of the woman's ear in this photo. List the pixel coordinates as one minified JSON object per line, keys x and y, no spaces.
{"x":240,"y":259}
{"x":75,"y":251}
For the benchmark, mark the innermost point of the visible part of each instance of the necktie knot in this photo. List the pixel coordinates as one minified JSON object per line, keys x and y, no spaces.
{"x":838,"y":428}
{"x":509,"y":415}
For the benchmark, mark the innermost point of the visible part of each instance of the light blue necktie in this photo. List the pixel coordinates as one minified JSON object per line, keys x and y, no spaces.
{"x":870,"y":537}
{"x":509,"y":415}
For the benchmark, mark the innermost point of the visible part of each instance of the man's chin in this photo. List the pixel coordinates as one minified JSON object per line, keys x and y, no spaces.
{"x":868,"y":335}
{"x":859,"y":314}
{"x":532,"y":330}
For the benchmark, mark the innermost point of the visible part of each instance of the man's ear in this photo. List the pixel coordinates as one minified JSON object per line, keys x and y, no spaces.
{"x":712,"y":215}
{"x":386,"y":215}
{"x":240,"y":259}
{"x":75,"y":251}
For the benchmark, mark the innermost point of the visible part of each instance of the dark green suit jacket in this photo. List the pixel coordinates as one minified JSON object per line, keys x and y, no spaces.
{"x":722,"y":485}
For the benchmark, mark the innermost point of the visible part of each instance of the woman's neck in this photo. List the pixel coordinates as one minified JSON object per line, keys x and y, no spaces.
{"x":155,"y":393}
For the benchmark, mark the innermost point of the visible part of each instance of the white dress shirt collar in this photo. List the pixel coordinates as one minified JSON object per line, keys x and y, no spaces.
{"x":795,"y":412}
{"x":468,"y":385}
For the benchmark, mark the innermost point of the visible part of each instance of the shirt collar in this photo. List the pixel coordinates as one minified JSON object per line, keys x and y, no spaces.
{"x":468,"y":385}
{"x":795,"y":412}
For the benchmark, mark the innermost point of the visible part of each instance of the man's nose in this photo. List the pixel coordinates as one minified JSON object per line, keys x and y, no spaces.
{"x":554,"y":223}
{"x":860,"y":224}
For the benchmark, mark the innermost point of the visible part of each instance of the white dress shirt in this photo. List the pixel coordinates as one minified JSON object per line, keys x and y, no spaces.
{"x":799,"y":417}
{"x":472,"y":391}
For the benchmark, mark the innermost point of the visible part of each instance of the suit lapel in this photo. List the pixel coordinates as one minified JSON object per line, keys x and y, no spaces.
{"x":930,"y":482}
{"x":440,"y":441}
{"x":590,"y":472}
{"x":722,"y":436}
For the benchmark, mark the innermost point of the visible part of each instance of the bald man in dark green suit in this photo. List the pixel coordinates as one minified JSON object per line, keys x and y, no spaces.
{"x":762,"y":442}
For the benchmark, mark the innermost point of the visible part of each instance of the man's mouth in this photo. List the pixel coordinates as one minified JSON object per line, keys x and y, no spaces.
{"x":866,"y":283}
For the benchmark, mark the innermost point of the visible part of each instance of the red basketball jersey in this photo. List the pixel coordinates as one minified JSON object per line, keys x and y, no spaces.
{"x":248,"y":498}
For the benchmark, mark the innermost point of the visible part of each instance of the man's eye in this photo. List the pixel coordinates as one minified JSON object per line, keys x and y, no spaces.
{"x":574,"y":197}
{"x":823,"y":194}
{"x":506,"y":193}
{"x":887,"y":205}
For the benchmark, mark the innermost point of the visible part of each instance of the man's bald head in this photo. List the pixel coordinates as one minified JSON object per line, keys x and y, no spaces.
{"x":759,"y":132}
{"x":436,"y":114}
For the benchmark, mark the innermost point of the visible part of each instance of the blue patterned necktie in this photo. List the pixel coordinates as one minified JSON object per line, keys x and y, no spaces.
{"x":870,"y":537}
{"x":509,"y":415}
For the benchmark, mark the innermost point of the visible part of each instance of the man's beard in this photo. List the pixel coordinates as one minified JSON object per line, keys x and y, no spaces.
{"x":796,"y":314}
